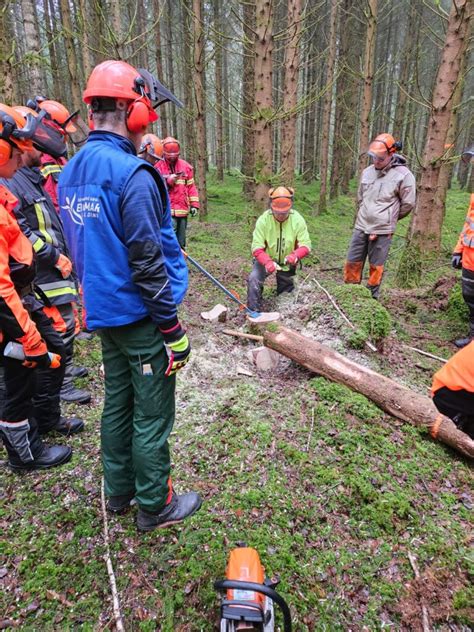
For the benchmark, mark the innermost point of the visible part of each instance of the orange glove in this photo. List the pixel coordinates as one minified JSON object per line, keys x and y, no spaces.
{"x":64,"y":265}
{"x":38,"y":355}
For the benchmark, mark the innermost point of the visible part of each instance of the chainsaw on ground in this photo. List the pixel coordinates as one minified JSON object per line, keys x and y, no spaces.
{"x":250,"y":597}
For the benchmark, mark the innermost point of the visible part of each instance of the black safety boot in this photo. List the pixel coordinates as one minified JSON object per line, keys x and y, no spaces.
{"x":120,"y":504}
{"x":177,"y":510}
{"x":77,"y":371}
{"x":50,"y":456}
{"x":463,"y":342}
{"x":84,"y":335}
{"x":69,"y":393}
{"x":65,"y":426}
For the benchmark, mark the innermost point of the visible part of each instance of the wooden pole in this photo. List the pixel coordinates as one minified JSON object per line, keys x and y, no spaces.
{"x":393,"y":398}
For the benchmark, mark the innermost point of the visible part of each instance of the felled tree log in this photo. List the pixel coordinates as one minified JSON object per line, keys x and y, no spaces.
{"x":393,"y":398}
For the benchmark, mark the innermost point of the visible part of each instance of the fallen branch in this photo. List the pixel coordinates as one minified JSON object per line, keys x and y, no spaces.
{"x":241,"y":334}
{"x":367,"y":343}
{"x":110,"y":569}
{"x":425,"y":353}
{"x":395,"y":399}
{"x":426,"y":621}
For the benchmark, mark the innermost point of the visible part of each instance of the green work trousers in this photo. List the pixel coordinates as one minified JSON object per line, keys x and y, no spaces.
{"x":138,"y":414}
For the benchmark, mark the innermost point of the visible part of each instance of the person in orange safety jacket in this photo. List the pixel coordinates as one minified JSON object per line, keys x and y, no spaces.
{"x":453,"y":389}
{"x":21,"y":318}
{"x":463,"y":259}
{"x":179,"y":178}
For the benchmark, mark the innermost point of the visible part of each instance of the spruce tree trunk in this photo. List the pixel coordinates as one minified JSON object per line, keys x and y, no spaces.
{"x":248,"y":96}
{"x":70,"y":55}
{"x":218,"y":79}
{"x":396,"y":400}
{"x":32,"y":44}
{"x":427,"y":221}
{"x":369,"y":59}
{"x":7,"y":89}
{"x":199,"y":69}
{"x":263,"y":104}
{"x":328,"y":100}
{"x":158,"y":13}
{"x":290,"y":92}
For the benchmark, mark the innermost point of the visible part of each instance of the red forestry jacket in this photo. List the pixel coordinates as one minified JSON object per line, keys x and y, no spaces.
{"x":183,"y":194}
{"x":50,"y":170}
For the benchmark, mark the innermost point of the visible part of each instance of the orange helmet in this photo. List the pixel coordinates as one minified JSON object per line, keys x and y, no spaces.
{"x":152,"y":145}
{"x":281,"y":199}
{"x":59,"y":114}
{"x":47,"y":138}
{"x":16,"y":129}
{"x":171,"y":148}
{"x":118,"y":80}
{"x":382,"y":144}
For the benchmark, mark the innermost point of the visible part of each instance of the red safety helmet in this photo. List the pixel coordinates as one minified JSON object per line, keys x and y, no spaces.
{"x":171,"y":148}
{"x":47,"y":138}
{"x":59,"y":114}
{"x":281,"y":199}
{"x":152,"y":145}
{"x":15,"y":131}
{"x":118,"y":80}
{"x":383,"y":144}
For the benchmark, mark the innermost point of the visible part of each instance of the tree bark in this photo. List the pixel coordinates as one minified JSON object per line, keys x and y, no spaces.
{"x":290,"y":92}
{"x":263,"y":113}
{"x":199,"y":70}
{"x":248,"y":95}
{"x":427,"y":221}
{"x":218,"y":80}
{"x":7,"y":55}
{"x":70,"y":54}
{"x":159,"y":65}
{"x":369,"y":59}
{"x":328,"y":101}
{"x":397,"y":400}
{"x":32,"y":40}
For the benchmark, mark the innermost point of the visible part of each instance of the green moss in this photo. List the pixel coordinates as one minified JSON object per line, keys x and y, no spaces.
{"x":354,"y":403}
{"x":371,"y":320}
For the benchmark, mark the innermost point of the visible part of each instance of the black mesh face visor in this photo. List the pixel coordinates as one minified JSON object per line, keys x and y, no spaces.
{"x":49,"y":139}
{"x":158,"y":94}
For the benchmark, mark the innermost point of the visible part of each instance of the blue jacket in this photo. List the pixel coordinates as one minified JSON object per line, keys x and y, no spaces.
{"x":118,"y":224}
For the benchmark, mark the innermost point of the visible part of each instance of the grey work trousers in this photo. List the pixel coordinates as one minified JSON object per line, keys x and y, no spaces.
{"x":360,"y":248}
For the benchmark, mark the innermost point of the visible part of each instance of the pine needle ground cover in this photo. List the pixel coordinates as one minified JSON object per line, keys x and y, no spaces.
{"x":335,"y":495}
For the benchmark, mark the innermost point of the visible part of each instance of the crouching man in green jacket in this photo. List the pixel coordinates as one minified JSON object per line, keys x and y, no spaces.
{"x":280,"y":240}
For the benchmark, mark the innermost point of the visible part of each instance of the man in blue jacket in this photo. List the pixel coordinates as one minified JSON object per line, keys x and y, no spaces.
{"x":118,"y":223}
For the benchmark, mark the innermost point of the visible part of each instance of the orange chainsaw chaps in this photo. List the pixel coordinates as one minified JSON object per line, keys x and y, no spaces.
{"x":244,"y":565}
{"x":375,"y":275}
{"x":353,"y":271}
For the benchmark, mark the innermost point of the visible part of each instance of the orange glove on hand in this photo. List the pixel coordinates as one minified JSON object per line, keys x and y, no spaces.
{"x":64,"y":265}
{"x":38,"y":355}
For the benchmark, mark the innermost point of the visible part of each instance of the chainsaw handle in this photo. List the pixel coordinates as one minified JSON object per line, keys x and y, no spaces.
{"x":230,"y":584}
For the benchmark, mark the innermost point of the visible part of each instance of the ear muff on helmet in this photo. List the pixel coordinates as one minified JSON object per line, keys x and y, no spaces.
{"x":138,"y":116}
{"x":5,"y":152}
{"x":15,"y":131}
{"x":398,"y":145}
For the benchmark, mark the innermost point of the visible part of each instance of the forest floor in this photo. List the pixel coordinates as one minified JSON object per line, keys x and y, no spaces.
{"x":334,"y":494}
